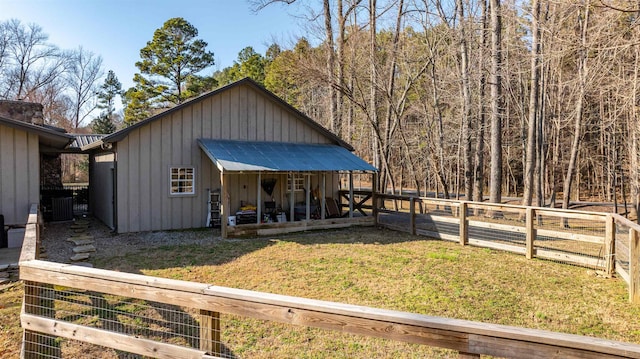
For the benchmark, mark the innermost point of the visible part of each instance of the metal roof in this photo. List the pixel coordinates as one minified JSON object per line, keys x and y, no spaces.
{"x":82,"y":140}
{"x":251,"y":156}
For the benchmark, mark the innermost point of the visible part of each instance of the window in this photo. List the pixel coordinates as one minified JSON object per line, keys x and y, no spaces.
{"x":182,"y":180}
{"x":298,"y":183}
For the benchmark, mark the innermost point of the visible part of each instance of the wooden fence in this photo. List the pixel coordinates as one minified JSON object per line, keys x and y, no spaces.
{"x":546,"y":233}
{"x":471,"y":339}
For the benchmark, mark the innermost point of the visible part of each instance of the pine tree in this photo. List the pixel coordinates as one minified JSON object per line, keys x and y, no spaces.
{"x":171,"y":58}
{"x":103,"y":125}
{"x":110,"y":89}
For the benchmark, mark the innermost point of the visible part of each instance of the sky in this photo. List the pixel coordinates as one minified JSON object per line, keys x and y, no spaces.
{"x":118,"y":29}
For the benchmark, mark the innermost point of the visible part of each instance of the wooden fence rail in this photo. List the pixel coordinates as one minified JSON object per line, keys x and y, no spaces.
{"x":470,"y":339}
{"x":529,"y":217}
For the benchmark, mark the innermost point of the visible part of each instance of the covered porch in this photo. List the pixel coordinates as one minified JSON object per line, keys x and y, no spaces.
{"x":272,"y":187}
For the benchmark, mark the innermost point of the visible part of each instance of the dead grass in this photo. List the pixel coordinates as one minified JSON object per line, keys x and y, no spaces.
{"x":391,"y":270}
{"x":10,"y":331}
{"x":383,"y":269}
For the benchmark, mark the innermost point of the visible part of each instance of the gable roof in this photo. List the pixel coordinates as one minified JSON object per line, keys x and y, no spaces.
{"x":119,"y":135}
{"x":47,"y":135}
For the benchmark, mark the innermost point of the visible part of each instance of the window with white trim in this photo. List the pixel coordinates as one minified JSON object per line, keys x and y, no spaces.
{"x":298,"y":183}
{"x":182,"y":180}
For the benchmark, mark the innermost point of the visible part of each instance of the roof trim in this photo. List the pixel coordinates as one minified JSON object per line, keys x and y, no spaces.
{"x":54,"y":138}
{"x":119,"y":135}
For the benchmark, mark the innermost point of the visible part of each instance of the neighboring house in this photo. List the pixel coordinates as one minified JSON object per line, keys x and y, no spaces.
{"x":156,"y":174}
{"x":23,"y":142}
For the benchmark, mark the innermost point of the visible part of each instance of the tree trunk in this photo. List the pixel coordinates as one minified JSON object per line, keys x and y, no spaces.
{"x":478,"y":190}
{"x":335,"y":121}
{"x":575,"y":144}
{"x":495,"y":186}
{"x":373,"y":90}
{"x":634,"y":146}
{"x":530,"y":160}
{"x":466,"y":103}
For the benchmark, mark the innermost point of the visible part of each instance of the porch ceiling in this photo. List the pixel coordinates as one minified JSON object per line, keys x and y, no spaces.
{"x":250,"y":156}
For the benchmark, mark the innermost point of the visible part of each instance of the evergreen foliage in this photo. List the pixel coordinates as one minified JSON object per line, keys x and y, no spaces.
{"x":103,"y":125}
{"x":169,"y":63}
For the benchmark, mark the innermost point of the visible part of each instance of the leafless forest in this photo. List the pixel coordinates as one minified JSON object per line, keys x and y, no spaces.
{"x":535,"y":99}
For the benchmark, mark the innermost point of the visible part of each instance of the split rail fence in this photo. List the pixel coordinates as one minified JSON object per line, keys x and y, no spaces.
{"x":69,"y":303}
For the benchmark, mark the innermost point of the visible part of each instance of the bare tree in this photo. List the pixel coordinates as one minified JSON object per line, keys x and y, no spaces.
{"x":466,"y":102}
{"x":530,"y":160}
{"x":31,"y":62}
{"x":495,"y":83}
{"x":478,"y":172}
{"x":84,"y":73}
{"x":582,"y":69}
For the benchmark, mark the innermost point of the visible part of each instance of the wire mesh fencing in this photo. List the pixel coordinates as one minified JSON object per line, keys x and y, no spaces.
{"x":570,"y":237}
{"x":87,"y":316}
{"x":622,"y":251}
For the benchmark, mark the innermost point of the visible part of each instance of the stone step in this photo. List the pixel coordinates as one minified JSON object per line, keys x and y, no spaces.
{"x":80,"y":257}
{"x":82,"y":230}
{"x":76,"y":238}
{"x":81,"y":241}
{"x":4,"y":274}
{"x":79,"y":226}
{"x":82,"y":222}
{"x":84,"y":249}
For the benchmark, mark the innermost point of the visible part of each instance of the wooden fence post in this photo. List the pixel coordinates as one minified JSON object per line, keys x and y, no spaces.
{"x":464,"y":223}
{"x":374,"y":199}
{"x":412,"y":215}
{"x":210,"y":332}
{"x":634,"y":266}
{"x":531,"y":231}
{"x":610,"y":245}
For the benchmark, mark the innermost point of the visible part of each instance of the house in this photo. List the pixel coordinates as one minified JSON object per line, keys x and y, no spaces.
{"x":253,"y":151}
{"x":25,"y":143}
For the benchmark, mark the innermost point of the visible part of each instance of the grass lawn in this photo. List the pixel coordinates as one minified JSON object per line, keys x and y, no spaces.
{"x":383,"y":269}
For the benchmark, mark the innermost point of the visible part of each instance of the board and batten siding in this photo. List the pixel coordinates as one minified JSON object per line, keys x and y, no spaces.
{"x":101,"y":196}
{"x":19,"y":174}
{"x":146,"y":154}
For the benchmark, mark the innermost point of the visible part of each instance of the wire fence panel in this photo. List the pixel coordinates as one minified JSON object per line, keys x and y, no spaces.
{"x":622,"y":251}
{"x":237,"y":336}
{"x":158,"y":322}
{"x":579,"y":241}
{"x":497,"y":227}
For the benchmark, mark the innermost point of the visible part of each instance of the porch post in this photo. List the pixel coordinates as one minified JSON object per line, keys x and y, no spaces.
{"x":291,"y":199}
{"x":259,"y":204}
{"x":351,"y":194}
{"x":224,"y":205}
{"x":308,"y":195}
{"x":323,"y":195}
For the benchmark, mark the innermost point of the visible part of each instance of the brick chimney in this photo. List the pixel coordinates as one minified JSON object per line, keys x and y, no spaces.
{"x":29,"y":112}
